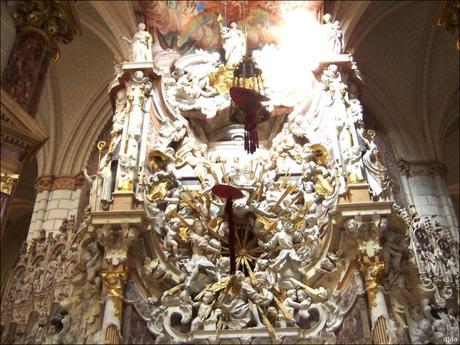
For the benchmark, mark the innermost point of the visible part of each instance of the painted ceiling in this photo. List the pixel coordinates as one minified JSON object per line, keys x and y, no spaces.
{"x":181,"y":25}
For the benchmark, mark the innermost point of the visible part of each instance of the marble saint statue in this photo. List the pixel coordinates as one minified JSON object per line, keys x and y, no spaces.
{"x":141,"y":45}
{"x":234,"y":43}
{"x":334,"y":34}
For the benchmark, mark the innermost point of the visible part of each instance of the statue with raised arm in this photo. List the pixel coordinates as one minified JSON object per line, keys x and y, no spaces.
{"x":233,"y":42}
{"x":141,"y":45}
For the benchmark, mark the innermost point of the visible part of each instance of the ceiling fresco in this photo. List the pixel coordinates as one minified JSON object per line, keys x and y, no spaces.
{"x":182,"y":25}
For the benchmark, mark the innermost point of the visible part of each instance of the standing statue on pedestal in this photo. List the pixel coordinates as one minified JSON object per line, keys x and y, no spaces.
{"x":101,"y":184}
{"x":376,"y":174}
{"x":105,"y":173}
{"x":334,"y":34}
{"x":141,"y":45}
{"x":234,"y":42}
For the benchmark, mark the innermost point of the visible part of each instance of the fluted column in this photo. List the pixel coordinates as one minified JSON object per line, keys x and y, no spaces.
{"x":41,"y":25}
{"x":373,"y":272}
{"x":114,"y":281}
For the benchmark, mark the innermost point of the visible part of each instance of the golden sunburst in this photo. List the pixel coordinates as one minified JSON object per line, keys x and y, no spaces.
{"x":247,"y":249}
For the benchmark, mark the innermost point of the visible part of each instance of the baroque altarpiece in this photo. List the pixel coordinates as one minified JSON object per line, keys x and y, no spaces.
{"x":323,"y":253}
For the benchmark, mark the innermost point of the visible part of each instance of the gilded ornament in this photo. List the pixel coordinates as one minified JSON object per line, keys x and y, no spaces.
{"x":321,"y":155}
{"x":156,"y":158}
{"x":159,"y":191}
{"x":373,"y":273}
{"x":56,"y":21}
{"x":323,"y":185}
{"x":127,"y":186}
{"x":114,"y":282}
{"x":7,"y":182}
{"x":269,"y":223}
{"x":352,"y":178}
{"x":222,"y":79}
{"x":100,"y":147}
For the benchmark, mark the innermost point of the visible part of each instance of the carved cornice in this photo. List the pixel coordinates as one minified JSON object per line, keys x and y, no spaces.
{"x":20,"y":132}
{"x":56,"y":21}
{"x":52,"y":182}
{"x":421,"y":168}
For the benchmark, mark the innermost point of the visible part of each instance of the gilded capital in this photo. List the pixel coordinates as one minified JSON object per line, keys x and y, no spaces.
{"x":56,"y":21}
{"x":7,"y":182}
{"x":373,"y":272}
{"x":114,"y":282}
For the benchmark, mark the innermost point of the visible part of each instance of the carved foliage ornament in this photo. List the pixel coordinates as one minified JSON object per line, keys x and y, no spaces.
{"x":420,"y":168}
{"x":50,"y":183}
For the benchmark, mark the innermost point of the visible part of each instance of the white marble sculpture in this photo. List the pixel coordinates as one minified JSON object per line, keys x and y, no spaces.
{"x":141,"y":45}
{"x":189,"y":88}
{"x":376,"y":174}
{"x":333,"y":34}
{"x":234,"y":43}
{"x":286,"y":264}
{"x":298,"y":275}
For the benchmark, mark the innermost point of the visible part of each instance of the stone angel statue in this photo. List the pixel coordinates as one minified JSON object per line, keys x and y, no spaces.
{"x":141,"y":45}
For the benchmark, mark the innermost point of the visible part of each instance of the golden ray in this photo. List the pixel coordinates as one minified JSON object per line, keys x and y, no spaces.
{"x":283,"y":309}
{"x":246,"y":234}
{"x":237,"y":237}
{"x":265,"y":320}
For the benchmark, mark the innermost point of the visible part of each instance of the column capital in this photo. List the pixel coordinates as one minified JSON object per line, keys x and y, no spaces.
{"x":421,"y":168}
{"x":373,"y":270}
{"x":7,"y":182}
{"x":116,"y":240}
{"x":56,"y":21}
{"x":114,"y":281}
{"x":51,"y":182}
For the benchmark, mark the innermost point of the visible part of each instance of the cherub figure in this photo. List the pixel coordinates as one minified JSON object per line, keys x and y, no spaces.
{"x":204,"y":309}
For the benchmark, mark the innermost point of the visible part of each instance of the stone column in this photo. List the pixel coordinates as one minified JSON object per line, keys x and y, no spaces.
{"x":41,"y":25}
{"x":57,"y":199}
{"x":425,"y":186}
